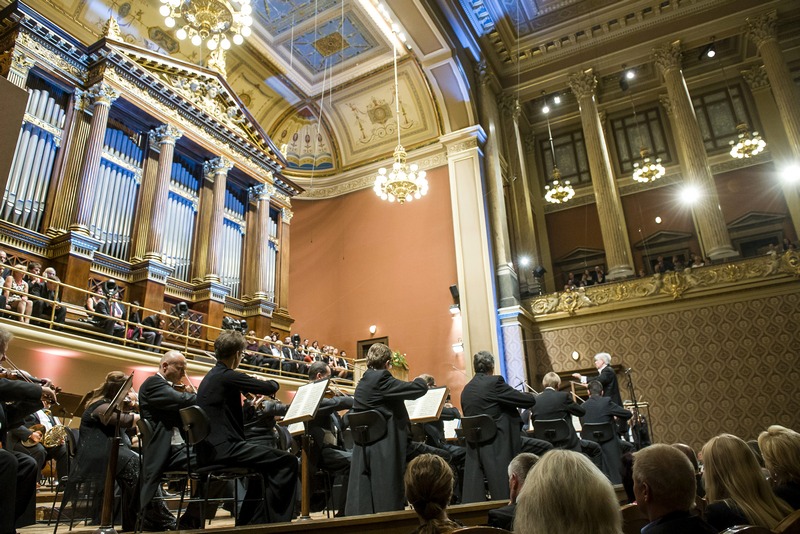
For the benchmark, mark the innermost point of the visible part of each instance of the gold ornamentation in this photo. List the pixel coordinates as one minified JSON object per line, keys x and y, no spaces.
{"x":583,"y":84}
{"x":216,"y":62}
{"x":103,"y":94}
{"x":166,"y":134}
{"x":668,"y":56}
{"x":286,"y":215}
{"x":220,"y":165}
{"x":331,"y":44}
{"x":111,"y":30}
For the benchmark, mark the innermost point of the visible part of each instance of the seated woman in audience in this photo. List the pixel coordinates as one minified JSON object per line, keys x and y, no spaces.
{"x":566,"y":493}
{"x":429,"y":486}
{"x":780,"y":447}
{"x":689,"y":452}
{"x":737,"y":492}
{"x":16,"y":293}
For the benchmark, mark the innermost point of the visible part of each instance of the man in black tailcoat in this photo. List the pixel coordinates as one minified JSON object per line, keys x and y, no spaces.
{"x":489,"y":394}
{"x":219,"y":395}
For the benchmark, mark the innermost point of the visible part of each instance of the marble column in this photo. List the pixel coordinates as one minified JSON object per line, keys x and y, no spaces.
{"x":262,"y":193}
{"x":165,"y":136}
{"x":102,"y":95}
{"x":762,"y":31}
{"x":507,"y":285}
{"x":217,"y":170}
{"x":706,"y":209}
{"x":619,"y":259}
{"x":780,"y":147}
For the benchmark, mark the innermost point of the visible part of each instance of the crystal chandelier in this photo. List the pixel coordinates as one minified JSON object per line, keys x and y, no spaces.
{"x":215,"y":22}
{"x":748,"y":145}
{"x":648,"y":170}
{"x":557,"y":191}
{"x":402,"y":182}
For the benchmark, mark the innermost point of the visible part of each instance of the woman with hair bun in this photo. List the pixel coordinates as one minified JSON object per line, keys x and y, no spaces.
{"x":429,"y":487}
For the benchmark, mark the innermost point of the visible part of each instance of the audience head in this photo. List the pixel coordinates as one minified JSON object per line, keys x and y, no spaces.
{"x":35,"y":267}
{"x":318,"y":371}
{"x":565,"y":493}
{"x":595,"y":388}
{"x":780,"y":447}
{"x":429,"y":486}
{"x":5,"y":338}
{"x":19,"y":274}
{"x":3,"y":257}
{"x":229,"y":345}
{"x":173,"y":366}
{"x":731,"y":472}
{"x":483,"y":362}
{"x":551,"y":380}
{"x":378,"y":356}
{"x":429,"y":380}
{"x":601,"y":359}
{"x":518,"y":471}
{"x":663,"y":481}
{"x":690,"y":454}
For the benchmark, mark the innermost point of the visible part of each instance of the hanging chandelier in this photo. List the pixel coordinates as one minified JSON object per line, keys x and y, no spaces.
{"x":403,"y":182}
{"x":648,"y":170}
{"x":558,"y":192}
{"x":215,"y":22}
{"x":748,"y":144}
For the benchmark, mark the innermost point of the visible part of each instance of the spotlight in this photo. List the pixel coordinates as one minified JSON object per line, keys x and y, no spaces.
{"x":546,"y":109}
{"x":557,"y":99}
{"x":658,"y":220}
{"x":524,"y":261}
{"x":373,"y":329}
{"x":711,"y":52}
{"x":690,"y":194}
{"x":791,"y":174}
{"x":708,"y":51}
{"x":455,"y":310}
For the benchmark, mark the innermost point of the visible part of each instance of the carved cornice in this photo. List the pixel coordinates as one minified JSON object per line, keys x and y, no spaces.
{"x":756,"y":78}
{"x":166,"y":134}
{"x":763,"y":28}
{"x":111,"y":30}
{"x":151,"y":270}
{"x":675,"y":285}
{"x":583,"y":84}
{"x":668,"y":57}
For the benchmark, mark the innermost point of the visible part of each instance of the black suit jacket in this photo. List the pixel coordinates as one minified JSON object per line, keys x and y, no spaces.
{"x":603,"y":410}
{"x":17,"y":399}
{"x":151,"y":322}
{"x":503,"y":517}
{"x":434,"y":431}
{"x":608,"y":378}
{"x":323,"y":421}
{"x":552,"y":404}
{"x":680,"y":523}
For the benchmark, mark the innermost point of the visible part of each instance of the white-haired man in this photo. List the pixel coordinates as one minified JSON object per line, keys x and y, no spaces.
{"x":517,"y":471}
{"x":607,"y":377}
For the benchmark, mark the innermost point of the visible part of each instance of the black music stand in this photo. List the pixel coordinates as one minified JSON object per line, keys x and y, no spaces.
{"x":69,"y":405}
{"x":107,"y":516}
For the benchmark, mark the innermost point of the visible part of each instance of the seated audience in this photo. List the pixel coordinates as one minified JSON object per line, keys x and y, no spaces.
{"x":16,"y":294}
{"x":109,"y":311}
{"x":517,"y":473}
{"x":737,"y":492}
{"x":565,"y":493}
{"x":780,"y":447}
{"x":692,"y":456}
{"x":47,"y":290}
{"x":429,"y":486}
{"x":150,"y":326}
{"x":664,"y":484}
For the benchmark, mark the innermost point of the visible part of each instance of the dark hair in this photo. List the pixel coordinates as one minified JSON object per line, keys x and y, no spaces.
{"x":595,"y":388}
{"x":315,"y":368}
{"x":483,"y":362}
{"x":378,"y":355}
{"x":228,"y":344}
{"x":109,"y":388}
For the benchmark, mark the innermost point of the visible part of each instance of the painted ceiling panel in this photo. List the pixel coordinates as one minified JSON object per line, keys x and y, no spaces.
{"x":337,"y":40}
{"x":279,"y":16}
{"x":305,"y":142}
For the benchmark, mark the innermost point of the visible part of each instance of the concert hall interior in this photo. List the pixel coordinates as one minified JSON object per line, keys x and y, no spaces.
{"x":585,"y":194}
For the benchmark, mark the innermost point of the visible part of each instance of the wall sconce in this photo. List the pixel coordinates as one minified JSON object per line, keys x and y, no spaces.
{"x":455,"y":310}
{"x":576,"y":355}
{"x":373,"y":329}
{"x":458,"y":348}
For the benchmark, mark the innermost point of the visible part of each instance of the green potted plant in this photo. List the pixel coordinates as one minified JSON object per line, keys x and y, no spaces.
{"x":399,"y":366}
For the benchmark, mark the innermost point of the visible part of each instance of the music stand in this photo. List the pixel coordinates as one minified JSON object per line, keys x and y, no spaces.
{"x":107,"y":516}
{"x":69,"y":405}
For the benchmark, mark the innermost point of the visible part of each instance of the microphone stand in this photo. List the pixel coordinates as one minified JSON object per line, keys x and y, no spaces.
{"x":637,"y":439}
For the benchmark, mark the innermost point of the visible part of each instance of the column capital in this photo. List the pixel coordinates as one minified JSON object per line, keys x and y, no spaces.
{"x":483,"y":72}
{"x":102,"y":94}
{"x":166,"y":134}
{"x":21,"y":63}
{"x":763,"y":28}
{"x":668,"y":57}
{"x":220,"y":165}
{"x":583,"y":84}
{"x":286,"y":215}
{"x":82,"y":100}
{"x":508,"y":103}
{"x":261,"y":191}
{"x":756,"y":78}
{"x":667,"y":104}
{"x":530,"y":142}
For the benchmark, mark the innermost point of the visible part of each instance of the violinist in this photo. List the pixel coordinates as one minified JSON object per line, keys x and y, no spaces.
{"x":260,"y":421}
{"x":18,"y":471}
{"x":93,"y":456}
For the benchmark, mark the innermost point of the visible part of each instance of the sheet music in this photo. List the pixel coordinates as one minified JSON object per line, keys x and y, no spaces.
{"x":450,"y":428}
{"x":306,"y":402}
{"x":428,"y":407}
{"x":576,"y":423}
{"x":296,"y":429}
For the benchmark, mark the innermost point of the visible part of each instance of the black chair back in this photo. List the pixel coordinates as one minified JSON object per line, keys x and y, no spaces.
{"x":145,"y":432}
{"x":195,"y":423}
{"x":72,"y":444}
{"x":478,"y":429}
{"x":598,"y":432}
{"x":367,"y":427}
{"x":418,"y":433}
{"x":551,"y":430}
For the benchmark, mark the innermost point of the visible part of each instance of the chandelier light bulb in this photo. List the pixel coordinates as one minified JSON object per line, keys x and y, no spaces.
{"x":237,"y":39}
{"x":169,"y":22}
{"x":246,"y":31}
{"x":164,"y":10}
{"x":226,"y":44}
{"x":648,"y":170}
{"x":196,"y":40}
{"x":246,"y":9}
{"x":212,"y":44}
{"x":181,"y":34}
{"x":212,"y":21}
{"x":748,"y":144}
{"x":558,"y":191}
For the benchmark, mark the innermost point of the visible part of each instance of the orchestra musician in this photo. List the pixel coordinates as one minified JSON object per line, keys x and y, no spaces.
{"x":219,"y":395}
{"x":381,"y":490}
{"x":608,"y":378}
{"x":28,"y":439}
{"x":93,"y":457}
{"x":18,"y":471}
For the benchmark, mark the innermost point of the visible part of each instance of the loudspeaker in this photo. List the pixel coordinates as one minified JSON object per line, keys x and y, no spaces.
{"x":454,"y":292}
{"x":539,"y":271}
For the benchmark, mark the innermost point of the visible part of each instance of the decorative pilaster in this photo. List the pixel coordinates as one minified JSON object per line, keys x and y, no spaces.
{"x":102,"y":95}
{"x":536,"y":185}
{"x":262,"y":193}
{"x":712,"y":231}
{"x":217,"y":170}
{"x":282,"y":297}
{"x":507,"y":285}
{"x":165,"y":136}
{"x":762,"y":31}
{"x":609,"y":204}
{"x":19,"y":68}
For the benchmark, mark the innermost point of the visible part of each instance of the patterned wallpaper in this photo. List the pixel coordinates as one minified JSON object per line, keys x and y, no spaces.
{"x":711,"y":368}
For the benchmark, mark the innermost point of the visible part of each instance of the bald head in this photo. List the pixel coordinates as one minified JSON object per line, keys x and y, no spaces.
{"x":173,"y":366}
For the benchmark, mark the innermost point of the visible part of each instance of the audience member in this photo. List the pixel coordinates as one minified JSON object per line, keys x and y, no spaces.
{"x":737,"y":492}
{"x":109,"y":311}
{"x":780,"y":447}
{"x":429,"y":486}
{"x":150,"y":329}
{"x":48,"y":292}
{"x":517,"y":473}
{"x":692,"y":456}
{"x":16,"y":294}
{"x":565,"y":493}
{"x":664,"y":485}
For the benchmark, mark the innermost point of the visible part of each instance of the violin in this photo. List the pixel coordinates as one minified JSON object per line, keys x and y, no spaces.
{"x":18,"y":374}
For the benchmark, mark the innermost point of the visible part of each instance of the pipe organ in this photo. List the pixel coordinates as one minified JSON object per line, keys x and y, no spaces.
{"x":37,"y":146}
{"x":142,"y":210}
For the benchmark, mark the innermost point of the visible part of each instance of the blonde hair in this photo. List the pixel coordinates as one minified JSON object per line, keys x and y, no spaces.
{"x":551,"y":380}
{"x":565,"y":493}
{"x":429,"y":486}
{"x":780,"y":447}
{"x":732,"y":473}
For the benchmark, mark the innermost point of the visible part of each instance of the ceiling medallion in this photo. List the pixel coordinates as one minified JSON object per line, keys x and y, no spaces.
{"x":648,"y":170}
{"x":215,"y":22}
{"x":748,"y":144}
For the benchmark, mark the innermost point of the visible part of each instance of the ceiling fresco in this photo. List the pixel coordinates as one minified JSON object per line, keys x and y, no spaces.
{"x":305,"y":142}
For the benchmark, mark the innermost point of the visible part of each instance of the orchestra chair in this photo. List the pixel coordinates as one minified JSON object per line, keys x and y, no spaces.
{"x":633,"y":520}
{"x":72,"y":451}
{"x":746,"y":529}
{"x":197,"y":426}
{"x":482,"y":530}
{"x":554,"y":431}
{"x":418,"y":433}
{"x":790,"y":525}
{"x":604,"y":435}
{"x":145,"y":429}
{"x":367,"y":427}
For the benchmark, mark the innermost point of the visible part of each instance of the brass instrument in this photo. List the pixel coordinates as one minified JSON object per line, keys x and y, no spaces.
{"x":54,"y":437}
